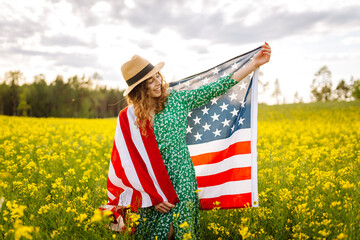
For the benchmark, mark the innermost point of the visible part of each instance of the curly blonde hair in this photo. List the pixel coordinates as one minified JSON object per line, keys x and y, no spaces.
{"x":139,"y":97}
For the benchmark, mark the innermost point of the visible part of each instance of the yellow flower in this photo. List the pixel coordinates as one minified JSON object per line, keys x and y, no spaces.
{"x":17,"y":211}
{"x":341,"y":236}
{"x":54,"y":233}
{"x":81,"y":217}
{"x":22,"y":231}
{"x":187,"y":236}
{"x":244,"y":232}
{"x":107,"y":213}
{"x":97,"y":216}
{"x":184,"y":225}
{"x":324,"y":233}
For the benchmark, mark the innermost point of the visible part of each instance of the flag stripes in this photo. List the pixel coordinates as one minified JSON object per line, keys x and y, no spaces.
{"x":137,"y":175}
{"x":227,"y":201}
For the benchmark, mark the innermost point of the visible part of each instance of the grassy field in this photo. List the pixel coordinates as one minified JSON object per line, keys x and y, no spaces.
{"x":53,"y":177}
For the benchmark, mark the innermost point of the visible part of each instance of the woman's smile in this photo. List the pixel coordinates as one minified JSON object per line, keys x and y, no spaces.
{"x":154,"y":85}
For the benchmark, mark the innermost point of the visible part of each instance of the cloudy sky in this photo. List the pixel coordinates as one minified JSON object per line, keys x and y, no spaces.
{"x":71,"y":37}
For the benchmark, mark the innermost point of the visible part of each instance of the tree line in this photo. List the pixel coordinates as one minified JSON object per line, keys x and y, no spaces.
{"x":322,"y":89}
{"x":82,"y":97}
{"x":79,"y":97}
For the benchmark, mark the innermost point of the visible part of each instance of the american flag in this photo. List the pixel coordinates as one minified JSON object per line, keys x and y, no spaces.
{"x":137,"y":175}
{"x":222,"y":137}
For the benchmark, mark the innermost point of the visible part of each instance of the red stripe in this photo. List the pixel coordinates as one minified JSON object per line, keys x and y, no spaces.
{"x":114,"y":190}
{"x":118,"y":169}
{"x":215,"y":157}
{"x":227,"y":201}
{"x":139,"y":165}
{"x":158,"y":166}
{"x":136,"y":200}
{"x":234,"y":174}
{"x":120,"y":173}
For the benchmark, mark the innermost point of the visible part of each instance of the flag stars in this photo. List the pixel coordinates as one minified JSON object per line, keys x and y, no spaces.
{"x":217,"y":132}
{"x":233,"y":96}
{"x":188,"y":130}
{"x":241,"y":121}
{"x":224,"y":107}
{"x":197,"y":120}
{"x":215,"y":117}
{"x":205,"y":110}
{"x":242,"y":103}
{"x":235,"y":66}
{"x":206,"y":127}
{"x":226,"y":122}
{"x":215,"y":71}
{"x":234,"y":112}
{"x":197,"y":136}
{"x":189,"y":114}
{"x":232,"y":128}
{"x":214,"y":101}
{"x":205,"y":80}
{"x":242,"y":85}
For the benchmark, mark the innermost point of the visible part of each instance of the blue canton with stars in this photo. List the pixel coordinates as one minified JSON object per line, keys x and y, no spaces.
{"x":222,"y":116}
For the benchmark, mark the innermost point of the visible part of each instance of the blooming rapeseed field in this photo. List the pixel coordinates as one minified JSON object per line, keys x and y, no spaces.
{"x":53,"y":177}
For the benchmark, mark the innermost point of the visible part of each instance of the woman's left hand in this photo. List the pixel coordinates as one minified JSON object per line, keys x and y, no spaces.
{"x":263,"y":56}
{"x":164,"y":207}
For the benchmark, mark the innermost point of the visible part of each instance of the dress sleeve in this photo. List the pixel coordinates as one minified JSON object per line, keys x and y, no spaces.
{"x":197,"y":97}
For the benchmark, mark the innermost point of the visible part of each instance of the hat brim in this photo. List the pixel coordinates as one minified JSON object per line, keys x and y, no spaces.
{"x":157,"y":68}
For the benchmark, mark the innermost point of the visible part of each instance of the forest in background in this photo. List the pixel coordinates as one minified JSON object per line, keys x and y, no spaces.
{"x":82,"y":97}
{"x":77,"y":97}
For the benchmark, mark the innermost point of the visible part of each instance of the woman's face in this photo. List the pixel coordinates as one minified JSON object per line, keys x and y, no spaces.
{"x":154,"y":85}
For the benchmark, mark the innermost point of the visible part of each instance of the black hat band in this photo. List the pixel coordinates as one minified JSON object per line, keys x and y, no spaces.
{"x":140,"y":74}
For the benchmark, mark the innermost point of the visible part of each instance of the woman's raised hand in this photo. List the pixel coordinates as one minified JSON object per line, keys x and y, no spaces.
{"x":260,"y":58}
{"x":164,"y":207}
{"x":263,"y":56}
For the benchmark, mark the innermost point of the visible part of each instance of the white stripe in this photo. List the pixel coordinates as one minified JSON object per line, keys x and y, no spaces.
{"x":137,"y":139}
{"x":128,"y":165}
{"x":110,"y":195}
{"x":108,"y":207}
{"x":219,"y":145}
{"x":254,"y":115}
{"x":114,"y":179}
{"x":237,"y":161}
{"x":126,"y":197}
{"x":229,"y":188}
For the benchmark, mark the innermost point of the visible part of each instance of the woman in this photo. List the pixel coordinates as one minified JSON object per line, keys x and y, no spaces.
{"x":167,"y":111}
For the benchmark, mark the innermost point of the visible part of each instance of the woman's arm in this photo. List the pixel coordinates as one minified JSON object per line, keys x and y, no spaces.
{"x":260,"y":58}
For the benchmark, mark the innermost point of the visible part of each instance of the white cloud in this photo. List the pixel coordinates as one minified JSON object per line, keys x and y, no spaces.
{"x":101,"y":8}
{"x":351,"y":41}
{"x":130,"y":4}
{"x":75,"y":37}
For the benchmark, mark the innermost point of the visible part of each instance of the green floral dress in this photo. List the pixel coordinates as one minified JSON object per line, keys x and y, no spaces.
{"x":170,"y":133}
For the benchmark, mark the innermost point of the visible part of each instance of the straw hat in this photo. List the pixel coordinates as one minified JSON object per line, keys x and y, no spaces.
{"x":137,"y":70}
